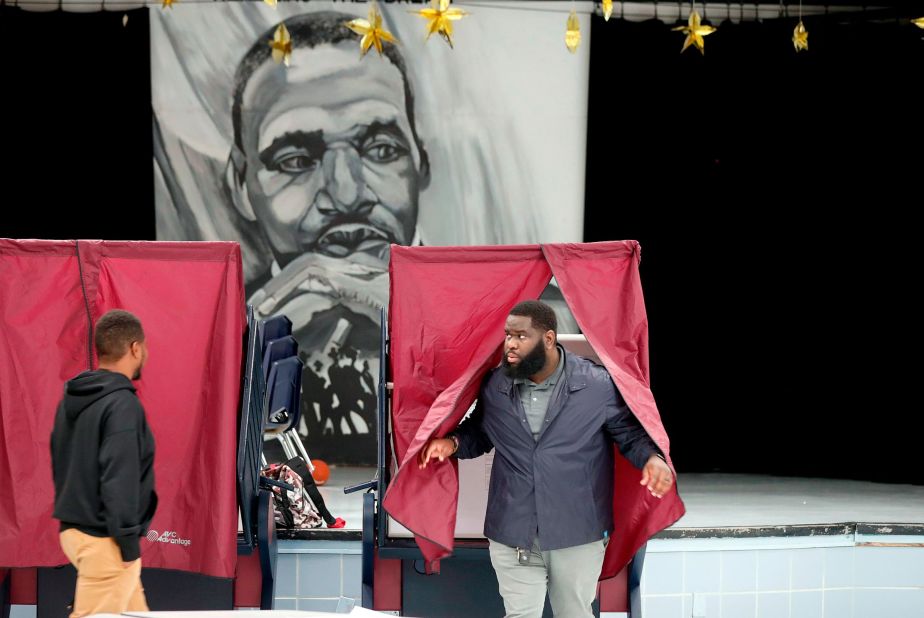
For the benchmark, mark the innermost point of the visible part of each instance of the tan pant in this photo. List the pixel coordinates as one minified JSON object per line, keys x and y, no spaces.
{"x":104,"y":584}
{"x":569,"y":575}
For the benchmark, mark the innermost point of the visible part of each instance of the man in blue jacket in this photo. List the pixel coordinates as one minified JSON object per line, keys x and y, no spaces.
{"x":102,"y":455}
{"x":551,"y":418}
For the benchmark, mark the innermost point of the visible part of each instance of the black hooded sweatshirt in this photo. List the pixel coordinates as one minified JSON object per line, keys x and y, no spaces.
{"x":102,"y":455}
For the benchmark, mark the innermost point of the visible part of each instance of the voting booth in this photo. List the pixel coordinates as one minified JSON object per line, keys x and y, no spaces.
{"x":190,"y":300}
{"x":442,"y":333}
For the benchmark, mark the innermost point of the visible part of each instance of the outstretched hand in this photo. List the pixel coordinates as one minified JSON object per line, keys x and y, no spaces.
{"x":657,"y":476}
{"x":438,"y":448}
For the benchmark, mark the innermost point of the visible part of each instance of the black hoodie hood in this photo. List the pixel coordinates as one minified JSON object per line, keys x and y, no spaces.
{"x":90,"y":386}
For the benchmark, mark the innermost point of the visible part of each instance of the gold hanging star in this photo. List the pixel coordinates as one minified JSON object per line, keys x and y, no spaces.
{"x":800,"y":37}
{"x":919,"y":22}
{"x":167,"y":3}
{"x":372,"y":31}
{"x":607,"y":9}
{"x":272,"y":3}
{"x":441,"y":17}
{"x":282,"y":45}
{"x":573,"y":32}
{"x":695,"y":32}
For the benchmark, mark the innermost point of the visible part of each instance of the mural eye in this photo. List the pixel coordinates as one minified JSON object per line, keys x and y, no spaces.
{"x":383,"y":152}
{"x":296,"y":163}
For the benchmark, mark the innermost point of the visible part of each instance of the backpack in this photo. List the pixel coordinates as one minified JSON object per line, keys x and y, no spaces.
{"x":292,"y":509}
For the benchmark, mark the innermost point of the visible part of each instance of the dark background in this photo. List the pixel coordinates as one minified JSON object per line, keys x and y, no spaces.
{"x":773,"y":194}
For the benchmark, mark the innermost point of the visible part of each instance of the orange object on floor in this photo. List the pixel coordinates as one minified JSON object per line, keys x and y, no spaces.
{"x":321,"y":471}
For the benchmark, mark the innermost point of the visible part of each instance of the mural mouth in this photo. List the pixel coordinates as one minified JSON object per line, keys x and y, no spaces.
{"x":345,"y":239}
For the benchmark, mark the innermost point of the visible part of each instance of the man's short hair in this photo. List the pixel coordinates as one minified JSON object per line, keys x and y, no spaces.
{"x":310,"y":30}
{"x":542,"y":316}
{"x":115,"y":333}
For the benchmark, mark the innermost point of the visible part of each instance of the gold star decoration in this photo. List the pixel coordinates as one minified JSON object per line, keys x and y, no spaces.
{"x":800,"y":37}
{"x":441,"y":16}
{"x":607,"y":9}
{"x":167,"y":3}
{"x":573,"y":32}
{"x":695,"y":32}
{"x":272,"y":3}
{"x":919,"y":22}
{"x":282,"y":45}
{"x":372,"y":31}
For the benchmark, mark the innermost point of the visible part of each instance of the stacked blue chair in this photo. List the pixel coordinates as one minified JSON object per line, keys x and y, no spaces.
{"x":283,"y":371}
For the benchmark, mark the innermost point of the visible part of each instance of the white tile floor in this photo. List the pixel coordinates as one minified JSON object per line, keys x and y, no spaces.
{"x":724,"y":500}
{"x":347,"y":506}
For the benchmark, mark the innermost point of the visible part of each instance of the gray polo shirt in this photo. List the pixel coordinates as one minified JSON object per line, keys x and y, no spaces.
{"x":535,"y":397}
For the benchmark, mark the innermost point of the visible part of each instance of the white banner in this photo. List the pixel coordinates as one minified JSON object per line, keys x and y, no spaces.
{"x":317,"y":167}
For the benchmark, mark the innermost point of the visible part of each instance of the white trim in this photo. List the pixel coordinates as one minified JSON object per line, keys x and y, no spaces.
{"x":658,"y":546}
{"x":343,"y":548}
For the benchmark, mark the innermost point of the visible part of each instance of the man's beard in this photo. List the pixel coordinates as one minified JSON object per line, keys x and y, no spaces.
{"x":529,"y":365}
{"x":137,"y":374}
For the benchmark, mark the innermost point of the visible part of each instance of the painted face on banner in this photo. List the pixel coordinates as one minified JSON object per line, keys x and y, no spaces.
{"x":332,"y":164}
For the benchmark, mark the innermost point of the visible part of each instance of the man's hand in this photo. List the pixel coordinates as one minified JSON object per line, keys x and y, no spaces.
{"x":439,"y":448}
{"x":657,"y":476}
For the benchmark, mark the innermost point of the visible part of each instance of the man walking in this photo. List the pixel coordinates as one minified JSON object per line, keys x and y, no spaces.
{"x":102,"y":453}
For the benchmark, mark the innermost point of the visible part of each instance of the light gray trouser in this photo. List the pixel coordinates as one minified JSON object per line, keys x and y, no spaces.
{"x":570,"y":575}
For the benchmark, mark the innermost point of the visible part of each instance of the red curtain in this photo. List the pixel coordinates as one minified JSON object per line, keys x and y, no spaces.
{"x":190,"y":299}
{"x":447,"y":312}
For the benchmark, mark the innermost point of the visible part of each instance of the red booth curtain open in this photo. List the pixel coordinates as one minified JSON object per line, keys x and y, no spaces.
{"x":447,"y":311}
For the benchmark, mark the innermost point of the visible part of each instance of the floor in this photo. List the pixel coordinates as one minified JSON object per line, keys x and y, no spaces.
{"x":347,"y":506}
{"x":727,"y":500}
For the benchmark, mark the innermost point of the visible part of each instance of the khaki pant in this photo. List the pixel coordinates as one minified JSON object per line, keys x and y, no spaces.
{"x":569,"y":575}
{"x":104,"y":585}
